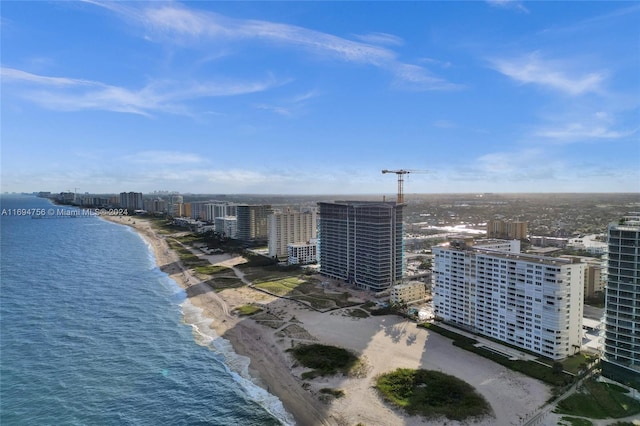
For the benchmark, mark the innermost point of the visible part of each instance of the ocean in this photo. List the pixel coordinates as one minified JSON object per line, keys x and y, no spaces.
{"x":93,"y":333}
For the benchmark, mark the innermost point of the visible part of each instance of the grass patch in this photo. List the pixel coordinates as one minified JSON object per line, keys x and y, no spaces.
{"x":432,"y":394}
{"x":529,"y":368}
{"x":336,"y":393}
{"x":210,"y":269}
{"x":574,"y":421}
{"x":246,"y":310}
{"x":577,"y":362}
{"x":324,"y":360}
{"x":357,"y":313}
{"x":281,"y":287}
{"x":599,"y":400}
{"x":222,"y":283}
{"x":318,"y":303}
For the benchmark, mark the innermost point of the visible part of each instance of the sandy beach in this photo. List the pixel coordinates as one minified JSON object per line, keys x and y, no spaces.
{"x":386,"y":343}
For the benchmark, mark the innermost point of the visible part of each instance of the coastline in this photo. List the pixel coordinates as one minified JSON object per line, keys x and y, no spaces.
{"x":269,"y":371}
{"x":386,"y":343}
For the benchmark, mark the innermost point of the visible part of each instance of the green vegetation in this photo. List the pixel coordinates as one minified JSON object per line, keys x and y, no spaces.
{"x":210,"y":269}
{"x":246,"y":310}
{"x":596,"y":300}
{"x":324,"y":360}
{"x":432,"y":394}
{"x":530,"y":368}
{"x":574,"y":421}
{"x":222,"y":283}
{"x":357,"y":313}
{"x":281,"y":287}
{"x":164,"y":226}
{"x":188,"y":259}
{"x":599,"y":400}
{"x":336,"y":393}
{"x":577,"y":362}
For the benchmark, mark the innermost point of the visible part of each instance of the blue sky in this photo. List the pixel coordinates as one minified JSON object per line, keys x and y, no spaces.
{"x":319,"y":97}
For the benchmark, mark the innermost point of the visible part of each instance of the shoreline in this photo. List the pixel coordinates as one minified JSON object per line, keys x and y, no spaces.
{"x":245,"y":340}
{"x":386,"y":343}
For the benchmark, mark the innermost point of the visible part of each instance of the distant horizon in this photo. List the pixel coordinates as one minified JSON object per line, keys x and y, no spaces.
{"x":326,"y":194}
{"x":303,"y":97}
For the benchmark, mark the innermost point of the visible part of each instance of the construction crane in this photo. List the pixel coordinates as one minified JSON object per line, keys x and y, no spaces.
{"x":401,"y":174}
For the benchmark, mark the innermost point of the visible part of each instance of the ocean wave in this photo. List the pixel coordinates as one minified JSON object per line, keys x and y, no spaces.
{"x":236,"y":365}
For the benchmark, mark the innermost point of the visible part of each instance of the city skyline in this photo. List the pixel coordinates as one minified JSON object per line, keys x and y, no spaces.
{"x":318,"y":98}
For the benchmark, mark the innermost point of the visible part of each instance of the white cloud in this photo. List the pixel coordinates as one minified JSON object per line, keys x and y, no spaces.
{"x":15,"y":75}
{"x":444,"y":124}
{"x":68,"y":94}
{"x":415,"y":77}
{"x":174,"y":23}
{"x":509,"y":4}
{"x":532,"y":69}
{"x":574,"y":132}
{"x":290,"y":106}
{"x":380,"y":38}
{"x":163,"y":157}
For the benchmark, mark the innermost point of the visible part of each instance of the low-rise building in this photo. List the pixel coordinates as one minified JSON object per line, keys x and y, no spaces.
{"x":409,"y":293}
{"x":594,"y":274}
{"x":302,"y":253}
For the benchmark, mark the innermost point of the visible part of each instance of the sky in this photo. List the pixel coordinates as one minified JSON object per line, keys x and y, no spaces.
{"x":319,"y":97}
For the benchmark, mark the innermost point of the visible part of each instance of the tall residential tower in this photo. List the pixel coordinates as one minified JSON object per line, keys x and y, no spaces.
{"x":291,"y":226}
{"x":621,"y":359}
{"x":361,"y":243}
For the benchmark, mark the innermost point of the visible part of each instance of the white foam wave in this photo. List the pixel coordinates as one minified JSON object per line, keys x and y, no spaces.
{"x":236,"y":365}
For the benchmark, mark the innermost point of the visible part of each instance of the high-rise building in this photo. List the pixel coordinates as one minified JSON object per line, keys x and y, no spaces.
{"x":175,"y":206}
{"x":131,"y":200}
{"x":528,"y":301}
{"x":155,"y":205}
{"x":252,"y":222}
{"x":515,"y":230}
{"x":621,"y":358}
{"x":291,"y":226}
{"x":361,"y":243}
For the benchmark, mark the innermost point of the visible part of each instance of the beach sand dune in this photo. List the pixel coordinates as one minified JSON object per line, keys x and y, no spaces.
{"x":385,"y":343}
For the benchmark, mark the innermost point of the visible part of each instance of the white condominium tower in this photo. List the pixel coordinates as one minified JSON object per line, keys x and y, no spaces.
{"x":289,"y":226}
{"x":531,"y":302}
{"x":621,"y":358}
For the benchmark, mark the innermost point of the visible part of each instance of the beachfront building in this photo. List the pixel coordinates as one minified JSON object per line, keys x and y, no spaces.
{"x":302,"y":253}
{"x":155,"y":205}
{"x":512,"y":230}
{"x":226,"y":226}
{"x":197,"y":210}
{"x":594,"y":275}
{"x":214,"y":209}
{"x":252,"y":222}
{"x":361,"y":243}
{"x":176,"y":205}
{"x":621,"y":358}
{"x":409,"y":293}
{"x":529,"y":301}
{"x":131,"y":201}
{"x":291,"y":226}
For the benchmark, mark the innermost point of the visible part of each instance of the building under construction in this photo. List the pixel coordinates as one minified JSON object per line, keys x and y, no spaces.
{"x":361,"y":243}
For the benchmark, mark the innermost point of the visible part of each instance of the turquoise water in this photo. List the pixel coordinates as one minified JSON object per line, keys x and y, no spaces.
{"x":93,"y":333}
